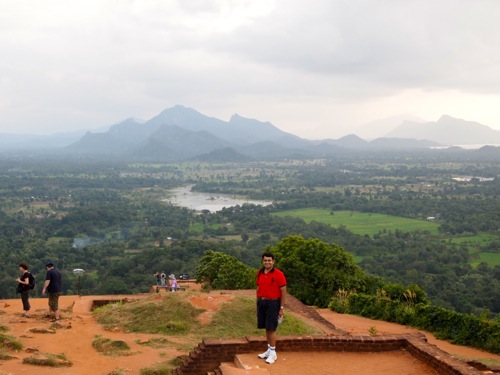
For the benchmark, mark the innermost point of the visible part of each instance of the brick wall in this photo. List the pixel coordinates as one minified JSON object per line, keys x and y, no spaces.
{"x":210,"y":353}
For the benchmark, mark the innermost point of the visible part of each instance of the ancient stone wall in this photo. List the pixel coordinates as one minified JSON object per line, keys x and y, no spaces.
{"x":210,"y":353}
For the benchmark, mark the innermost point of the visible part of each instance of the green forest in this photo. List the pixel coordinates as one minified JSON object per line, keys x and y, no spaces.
{"x":426,"y":219}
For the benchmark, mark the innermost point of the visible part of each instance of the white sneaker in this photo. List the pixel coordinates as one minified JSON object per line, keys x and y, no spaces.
{"x":272,"y":357}
{"x":264,"y":355}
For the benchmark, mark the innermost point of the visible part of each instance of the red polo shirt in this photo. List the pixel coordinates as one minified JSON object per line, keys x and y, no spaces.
{"x":269,"y":284}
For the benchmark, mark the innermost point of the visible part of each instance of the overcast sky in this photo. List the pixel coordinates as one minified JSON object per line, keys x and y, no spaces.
{"x":315,"y":68}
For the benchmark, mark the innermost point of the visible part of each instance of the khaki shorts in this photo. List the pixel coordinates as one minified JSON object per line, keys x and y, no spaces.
{"x":54,"y":301}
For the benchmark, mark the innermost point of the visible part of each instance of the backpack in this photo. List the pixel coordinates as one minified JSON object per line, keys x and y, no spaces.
{"x":32,"y":281}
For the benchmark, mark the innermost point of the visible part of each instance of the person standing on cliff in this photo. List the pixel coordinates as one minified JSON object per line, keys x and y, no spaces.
{"x":24,"y":283}
{"x":53,"y":286}
{"x":271,"y":297}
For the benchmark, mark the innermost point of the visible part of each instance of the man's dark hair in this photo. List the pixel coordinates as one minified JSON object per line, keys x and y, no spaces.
{"x":24,"y":265}
{"x":267,"y":254}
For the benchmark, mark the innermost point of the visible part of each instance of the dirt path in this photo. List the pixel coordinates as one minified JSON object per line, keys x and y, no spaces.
{"x":77,"y":329}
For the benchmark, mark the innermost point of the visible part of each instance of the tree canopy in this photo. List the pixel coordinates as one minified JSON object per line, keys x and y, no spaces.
{"x":315,"y":270}
{"x":222,"y":271}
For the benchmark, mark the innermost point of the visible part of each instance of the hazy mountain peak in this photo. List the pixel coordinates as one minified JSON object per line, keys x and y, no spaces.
{"x":351,"y":137}
{"x":240,"y":120}
{"x":130,"y":120}
{"x":177,"y":114}
{"x":351,"y":141}
{"x":138,"y":120}
{"x":380,"y":128}
{"x":447,"y":130}
{"x":445,"y":118}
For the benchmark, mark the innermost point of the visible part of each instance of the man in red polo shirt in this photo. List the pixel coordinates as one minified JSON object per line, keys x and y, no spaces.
{"x":271,"y":296}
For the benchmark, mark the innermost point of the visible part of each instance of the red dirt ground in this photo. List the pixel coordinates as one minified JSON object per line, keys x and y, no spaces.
{"x":74,"y":335}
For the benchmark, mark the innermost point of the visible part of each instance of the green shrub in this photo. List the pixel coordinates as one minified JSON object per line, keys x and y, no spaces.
{"x":458,"y":328}
{"x":9,"y":342}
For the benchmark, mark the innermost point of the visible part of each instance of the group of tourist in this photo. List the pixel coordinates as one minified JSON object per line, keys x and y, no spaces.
{"x":163,"y":282}
{"x":52,"y":286}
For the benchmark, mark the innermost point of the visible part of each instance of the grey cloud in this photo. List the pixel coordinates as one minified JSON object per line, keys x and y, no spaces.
{"x":135,"y":58}
{"x":424,"y":44}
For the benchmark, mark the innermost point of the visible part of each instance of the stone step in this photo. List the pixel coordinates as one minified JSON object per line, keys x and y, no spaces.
{"x":239,"y":368}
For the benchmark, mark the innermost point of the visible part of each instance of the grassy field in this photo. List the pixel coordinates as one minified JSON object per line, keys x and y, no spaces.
{"x":472,"y":243}
{"x":361,"y":223}
{"x":491,"y":259}
{"x":479,"y":239}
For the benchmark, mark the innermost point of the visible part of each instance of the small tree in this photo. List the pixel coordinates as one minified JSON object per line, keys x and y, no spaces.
{"x":316,"y":270}
{"x":222,"y":271}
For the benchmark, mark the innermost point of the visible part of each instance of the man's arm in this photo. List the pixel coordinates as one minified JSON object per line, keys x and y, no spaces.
{"x":257,"y":288}
{"x":45,"y":286}
{"x":282,"y":300}
{"x":24,"y":281}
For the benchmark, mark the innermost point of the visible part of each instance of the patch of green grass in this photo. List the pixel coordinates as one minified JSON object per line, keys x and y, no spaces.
{"x":155,"y":342}
{"x":171,"y":316}
{"x":164,"y":368}
{"x":175,"y":316}
{"x":196,"y":227}
{"x":238,"y":319}
{"x":3,"y":328}
{"x":42,"y":330}
{"x":9,"y":342}
{"x":117,"y":371}
{"x":491,"y":259}
{"x":360,"y":222}
{"x":490,"y":362}
{"x":481,"y":239}
{"x":159,"y":369}
{"x":474,"y":245}
{"x":51,"y":360}
{"x":110,"y":347}
{"x":4,"y":356}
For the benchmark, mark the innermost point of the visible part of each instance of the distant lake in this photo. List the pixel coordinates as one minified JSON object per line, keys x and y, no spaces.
{"x":194,"y":200}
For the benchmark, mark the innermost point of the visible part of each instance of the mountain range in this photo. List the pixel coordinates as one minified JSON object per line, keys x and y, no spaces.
{"x":448,"y":130}
{"x":180,"y":133}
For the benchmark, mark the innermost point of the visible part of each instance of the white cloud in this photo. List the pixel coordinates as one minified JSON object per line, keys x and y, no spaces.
{"x":311,"y":68}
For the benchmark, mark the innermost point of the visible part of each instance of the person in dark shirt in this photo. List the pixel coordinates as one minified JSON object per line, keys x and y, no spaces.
{"x":24,"y":283}
{"x":157,"y":277}
{"x":271,"y":297}
{"x":53,"y":286}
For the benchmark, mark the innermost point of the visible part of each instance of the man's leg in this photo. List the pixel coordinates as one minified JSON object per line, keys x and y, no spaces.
{"x":56,"y":312}
{"x":271,"y":338}
{"x":26,"y":304}
{"x":54,"y":304}
{"x":50,"y":312}
{"x":271,"y":344}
